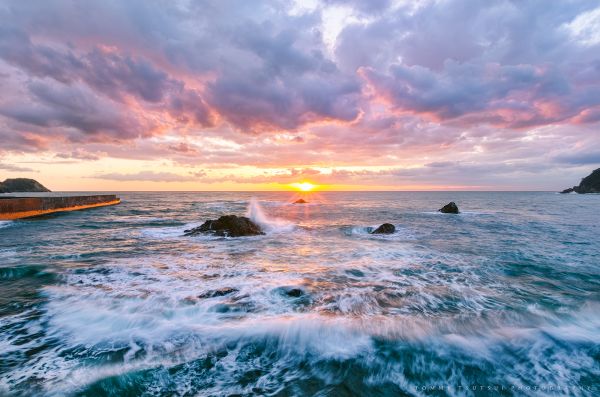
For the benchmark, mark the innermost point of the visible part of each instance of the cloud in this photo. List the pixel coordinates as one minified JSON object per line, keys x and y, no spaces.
{"x":516,"y":175}
{"x":147,"y":176}
{"x":510,"y":65}
{"x":361,"y":6}
{"x":76,"y":107}
{"x":581,"y":158}
{"x":15,"y":168}
{"x":229,"y":83}
{"x":79,"y":155}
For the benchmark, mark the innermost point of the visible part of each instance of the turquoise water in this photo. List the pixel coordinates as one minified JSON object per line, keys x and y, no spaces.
{"x":503,"y":299}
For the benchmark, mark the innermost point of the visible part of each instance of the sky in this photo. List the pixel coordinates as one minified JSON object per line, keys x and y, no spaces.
{"x":117,"y":95}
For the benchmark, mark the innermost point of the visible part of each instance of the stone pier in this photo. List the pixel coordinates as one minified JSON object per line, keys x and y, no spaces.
{"x":26,"y":207}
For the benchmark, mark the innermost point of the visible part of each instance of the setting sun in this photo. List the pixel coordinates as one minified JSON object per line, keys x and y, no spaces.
{"x":304,"y":186}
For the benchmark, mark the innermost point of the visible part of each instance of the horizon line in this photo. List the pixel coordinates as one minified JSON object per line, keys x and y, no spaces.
{"x":294,"y":191}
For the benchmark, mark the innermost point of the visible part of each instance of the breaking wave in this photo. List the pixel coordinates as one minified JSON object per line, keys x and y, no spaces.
{"x":270,"y":225}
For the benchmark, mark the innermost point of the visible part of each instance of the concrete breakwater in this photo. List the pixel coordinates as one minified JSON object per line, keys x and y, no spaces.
{"x":25,"y":207}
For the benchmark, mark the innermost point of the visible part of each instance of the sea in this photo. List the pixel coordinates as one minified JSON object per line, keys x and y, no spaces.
{"x":502,"y":299}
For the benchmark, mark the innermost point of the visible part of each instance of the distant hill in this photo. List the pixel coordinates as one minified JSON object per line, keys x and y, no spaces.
{"x":21,"y":185}
{"x":589,"y":184}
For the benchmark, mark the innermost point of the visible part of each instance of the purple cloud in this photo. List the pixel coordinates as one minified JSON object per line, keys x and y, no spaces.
{"x":400,"y":83}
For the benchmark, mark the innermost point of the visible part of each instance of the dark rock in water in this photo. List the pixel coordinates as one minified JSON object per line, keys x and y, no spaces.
{"x":227,"y":226}
{"x":21,"y":185}
{"x":295,"y":292}
{"x":300,"y":201}
{"x":292,"y":292}
{"x":386,"y":228}
{"x":218,"y":292}
{"x":450,"y":208}
{"x":296,"y":295}
{"x":589,"y":184}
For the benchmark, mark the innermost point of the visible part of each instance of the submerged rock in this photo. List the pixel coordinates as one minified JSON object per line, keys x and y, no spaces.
{"x":218,"y":292}
{"x":589,"y":184}
{"x":450,"y":208}
{"x":300,"y":201}
{"x":227,"y":226}
{"x":296,"y":296}
{"x":386,"y":228}
{"x":292,"y":292}
{"x":21,"y":185}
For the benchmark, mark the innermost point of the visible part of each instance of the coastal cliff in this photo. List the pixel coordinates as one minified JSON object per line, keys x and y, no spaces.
{"x":22,"y":185}
{"x":589,"y":184}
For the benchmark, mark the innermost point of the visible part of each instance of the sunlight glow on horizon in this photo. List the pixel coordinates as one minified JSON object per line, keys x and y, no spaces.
{"x":303,"y":186}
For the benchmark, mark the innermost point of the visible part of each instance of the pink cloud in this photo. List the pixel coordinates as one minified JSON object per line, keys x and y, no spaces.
{"x":407,"y":85}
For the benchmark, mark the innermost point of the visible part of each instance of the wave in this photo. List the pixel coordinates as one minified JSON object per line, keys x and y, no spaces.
{"x":401,"y":233}
{"x":149,"y":316}
{"x":326,"y":309}
{"x":359,"y":230}
{"x":19,"y":272}
{"x":168,"y":232}
{"x":461,"y":213}
{"x":4,"y":224}
{"x":269,"y":225}
{"x":317,"y":347}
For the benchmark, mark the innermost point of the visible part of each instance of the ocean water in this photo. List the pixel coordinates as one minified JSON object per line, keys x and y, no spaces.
{"x":503,"y":299}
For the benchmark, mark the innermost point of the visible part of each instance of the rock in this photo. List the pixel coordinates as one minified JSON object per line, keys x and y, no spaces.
{"x":295,"y":295}
{"x":22,"y":185}
{"x":227,"y":226}
{"x":386,"y":228}
{"x":295,"y":292}
{"x":450,"y":208}
{"x":292,"y":292}
{"x":589,"y":184}
{"x":218,"y":292}
{"x":300,"y":201}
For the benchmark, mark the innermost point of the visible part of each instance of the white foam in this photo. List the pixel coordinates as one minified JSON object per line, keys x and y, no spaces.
{"x":151,"y":304}
{"x":8,"y":253}
{"x":4,"y":224}
{"x":361,"y":230}
{"x":161,"y":233}
{"x":401,"y":233}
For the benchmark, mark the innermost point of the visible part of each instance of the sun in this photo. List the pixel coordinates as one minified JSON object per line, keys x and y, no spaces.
{"x":303,"y":186}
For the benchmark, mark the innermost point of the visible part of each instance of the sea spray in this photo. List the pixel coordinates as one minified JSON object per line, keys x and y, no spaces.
{"x":270,"y":225}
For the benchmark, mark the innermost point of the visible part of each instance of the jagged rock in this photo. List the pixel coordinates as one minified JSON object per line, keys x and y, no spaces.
{"x":300,"y":201}
{"x":386,"y":228}
{"x":589,"y":184}
{"x":227,"y":226}
{"x":450,"y":208}
{"x":21,"y":185}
